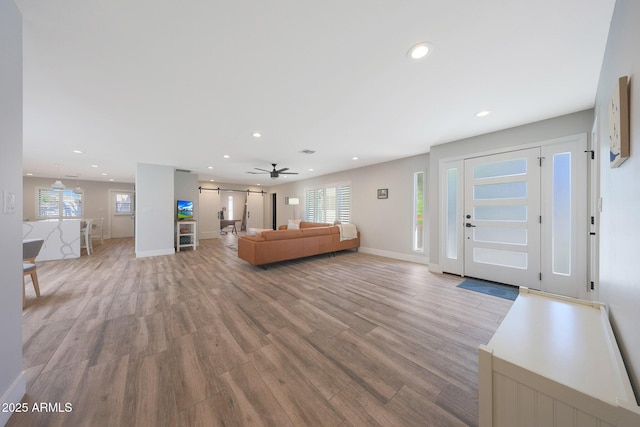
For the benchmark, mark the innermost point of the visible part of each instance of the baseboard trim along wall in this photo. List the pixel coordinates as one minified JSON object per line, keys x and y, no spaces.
{"x":395,"y":255}
{"x":13,"y":395}
{"x":435,"y":268}
{"x":157,"y":252}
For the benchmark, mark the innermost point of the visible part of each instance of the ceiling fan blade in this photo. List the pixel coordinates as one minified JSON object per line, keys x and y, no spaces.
{"x":258,"y":173}
{"x":288,"y":173}
{"x":282,"y":170}
{"x":263,"y":170}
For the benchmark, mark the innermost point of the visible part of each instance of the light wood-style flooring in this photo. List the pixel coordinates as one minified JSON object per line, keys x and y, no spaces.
{"x":202,"y":338}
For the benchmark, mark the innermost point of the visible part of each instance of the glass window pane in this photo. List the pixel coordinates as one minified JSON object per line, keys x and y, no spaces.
{"x":499,"y":257}
{"x":452,"y":214}
{"x":328,"y":204}
{"x":517,"y":213}
{"x":124,"y":204}
{"x":511,"y":236}
{"x":418,"y":214}
{"x":71,"y":204}
{"x":503,"y":168}
{"x":561,"y":214}
{"x":507,"y":190}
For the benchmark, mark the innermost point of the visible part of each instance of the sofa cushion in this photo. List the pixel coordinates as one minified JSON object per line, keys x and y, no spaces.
{"x":314,"y":224}
{"x":252,"y":238}
{"x":315,"y":231}
{"x":281,"y":234}
{"x":293,"y":224}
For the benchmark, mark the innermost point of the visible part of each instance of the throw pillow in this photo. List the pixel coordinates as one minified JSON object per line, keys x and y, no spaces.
{"x":293,"y":224}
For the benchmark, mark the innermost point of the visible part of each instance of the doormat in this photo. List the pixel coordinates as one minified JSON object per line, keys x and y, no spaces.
{"x":490,"y":288}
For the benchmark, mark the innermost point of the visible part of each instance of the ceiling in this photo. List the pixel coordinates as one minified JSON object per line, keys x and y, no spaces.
{"x":186,"y":83}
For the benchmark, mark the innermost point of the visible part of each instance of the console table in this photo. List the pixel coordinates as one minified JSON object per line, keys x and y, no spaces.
{"x":554,"y":361}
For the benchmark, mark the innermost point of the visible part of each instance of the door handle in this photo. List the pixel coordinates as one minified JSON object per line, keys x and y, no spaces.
{"x":469,"y":225}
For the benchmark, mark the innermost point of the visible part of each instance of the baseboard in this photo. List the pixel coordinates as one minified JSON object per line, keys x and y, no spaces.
{"x":419,"y":259}
{"x":14,"y":394}
{"x":435,"y":268}
{"x":157,"y":252}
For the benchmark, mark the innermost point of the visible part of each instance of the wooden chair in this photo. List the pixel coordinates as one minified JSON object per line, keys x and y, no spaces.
{"x":30,"y":250}
{"x":86,"y":227}
{"x":98,"y":230}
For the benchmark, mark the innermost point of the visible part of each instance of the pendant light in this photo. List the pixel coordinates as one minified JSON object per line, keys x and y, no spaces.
{"x":78,"y":189}
{"x":58,"y":185}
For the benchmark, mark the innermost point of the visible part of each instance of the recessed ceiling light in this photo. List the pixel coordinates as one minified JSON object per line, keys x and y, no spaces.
{"x":78,"y":151}
{"x":483,"y":113}
{"x":310,"y":170}
{"x":29,"y":174}
{"x":258,"y":184}
{"x":257,"y":134}
{"x":104,"y":174}
{"x":420,"y":51}
{"x":94,"y":166}
{"x":226,"y":156}
{"x":209,"y":167}
{"x":354,"y":158}
{"x":211,"y":180}
{"x":111,"y":179}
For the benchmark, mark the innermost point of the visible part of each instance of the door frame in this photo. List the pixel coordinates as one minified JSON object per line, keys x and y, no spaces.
{"x":111,"y":193}
{"x":455,"y":265}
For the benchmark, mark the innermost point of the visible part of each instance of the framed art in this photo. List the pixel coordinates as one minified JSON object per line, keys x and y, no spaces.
{"x":619,"y":124}
{"x":383,"y":193}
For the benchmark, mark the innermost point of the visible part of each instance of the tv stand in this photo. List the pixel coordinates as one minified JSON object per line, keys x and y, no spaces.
{"x":185,"y":234}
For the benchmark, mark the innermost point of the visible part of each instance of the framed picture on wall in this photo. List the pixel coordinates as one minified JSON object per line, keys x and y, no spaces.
{"x":383,"y":193}
{"x":619,"y":124}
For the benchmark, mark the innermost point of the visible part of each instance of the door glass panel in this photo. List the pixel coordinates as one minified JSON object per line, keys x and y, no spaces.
{"x":507,"y":190}
{"x":452,"y":214}
{"x":511,"y":236}
{"x":499,"y":257}
{"x":561,"y":214}
{"x":418,"y":211}
{"x":502,"y":168}
{"x":517,"y":213}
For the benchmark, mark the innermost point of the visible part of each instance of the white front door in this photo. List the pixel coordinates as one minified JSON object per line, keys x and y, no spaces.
{"x":502,"y":218}
{"x":121,"y":218}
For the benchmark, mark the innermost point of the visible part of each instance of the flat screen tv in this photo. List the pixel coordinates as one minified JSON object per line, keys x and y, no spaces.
{"x":185,"y":209}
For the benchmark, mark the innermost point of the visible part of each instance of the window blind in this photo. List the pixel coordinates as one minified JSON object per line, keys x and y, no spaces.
{"x":58,"y":204}
{"x":328,"y":204}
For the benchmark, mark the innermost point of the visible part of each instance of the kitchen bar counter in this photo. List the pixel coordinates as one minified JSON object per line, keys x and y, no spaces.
{"x":61,"y":237}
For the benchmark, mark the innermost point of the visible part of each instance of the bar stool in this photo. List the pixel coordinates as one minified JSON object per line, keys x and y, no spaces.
{"x":30,"y":250}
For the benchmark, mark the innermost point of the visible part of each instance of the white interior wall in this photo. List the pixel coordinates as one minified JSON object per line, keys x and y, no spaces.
{"x":186,"y":188}
{"x":95,"y":197}
{"x":620,"y":190}
{"x":571,"y":124}
{"x":12,"y":378}
{"x":155,"y":210}
{"x":386,"y":225}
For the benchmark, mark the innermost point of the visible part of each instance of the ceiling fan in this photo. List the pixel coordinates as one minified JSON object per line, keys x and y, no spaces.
{"x":274,"y":173}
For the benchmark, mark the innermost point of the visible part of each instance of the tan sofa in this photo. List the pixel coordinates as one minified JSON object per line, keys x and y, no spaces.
{"x":283,"y":244}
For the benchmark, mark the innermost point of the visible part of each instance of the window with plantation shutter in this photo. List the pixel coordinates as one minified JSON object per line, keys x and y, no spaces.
{"x":58,"y":204}
{"x":328,"y":204}
{"x":124,"y":204}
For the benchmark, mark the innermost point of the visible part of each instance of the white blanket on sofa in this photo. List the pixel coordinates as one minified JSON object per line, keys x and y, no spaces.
{"x":348,"y":232}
